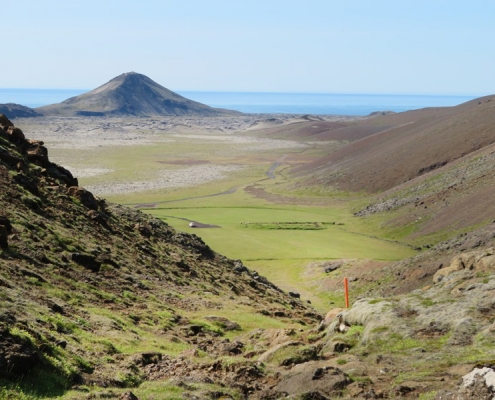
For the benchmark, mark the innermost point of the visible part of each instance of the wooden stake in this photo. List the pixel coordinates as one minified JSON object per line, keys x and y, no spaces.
{"x":346,"y":291}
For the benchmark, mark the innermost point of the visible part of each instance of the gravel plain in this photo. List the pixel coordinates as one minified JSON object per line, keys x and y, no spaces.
{"x":72,"y":140}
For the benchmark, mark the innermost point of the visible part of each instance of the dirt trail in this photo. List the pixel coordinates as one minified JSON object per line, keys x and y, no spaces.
{"x":275,"y":165}
{"x":270,"y":173}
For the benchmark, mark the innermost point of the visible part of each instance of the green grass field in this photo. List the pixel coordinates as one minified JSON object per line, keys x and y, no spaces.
{"x":279,"y":254}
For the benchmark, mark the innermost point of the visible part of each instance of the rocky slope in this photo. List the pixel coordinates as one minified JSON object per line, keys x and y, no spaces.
{"x":131,"y":94}
{"x":407,"y":145}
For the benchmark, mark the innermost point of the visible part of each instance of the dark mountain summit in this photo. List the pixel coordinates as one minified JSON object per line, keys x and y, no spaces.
{"x":13,"y":110}
{"x":130,"y":94}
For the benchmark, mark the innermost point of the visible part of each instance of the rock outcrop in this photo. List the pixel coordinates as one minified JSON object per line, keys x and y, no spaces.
{"x":477,"y":261}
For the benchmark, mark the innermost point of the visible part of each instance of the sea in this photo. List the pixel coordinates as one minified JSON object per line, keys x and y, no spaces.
{"x":269,"y":103}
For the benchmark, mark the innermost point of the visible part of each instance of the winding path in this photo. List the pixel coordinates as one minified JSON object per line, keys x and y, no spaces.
{"x":270,"y":173}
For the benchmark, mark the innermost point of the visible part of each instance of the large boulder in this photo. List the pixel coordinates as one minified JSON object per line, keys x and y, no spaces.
{"x":315,"y":379}
{"x":84,"y":196}
{"x":37,"y":153}
{"x":478,"y":384}
{"x":15,"y":135}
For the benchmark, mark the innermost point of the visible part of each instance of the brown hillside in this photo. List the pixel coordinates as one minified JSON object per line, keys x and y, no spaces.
{"x":414,"y":143}
{"x":324,"y":131}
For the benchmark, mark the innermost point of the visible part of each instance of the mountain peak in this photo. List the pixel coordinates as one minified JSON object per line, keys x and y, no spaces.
{"x":131,"y":94}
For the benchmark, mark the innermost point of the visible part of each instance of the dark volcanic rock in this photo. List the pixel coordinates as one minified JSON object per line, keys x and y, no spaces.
{"x":87,"y":261}
{"x":84,"y":196}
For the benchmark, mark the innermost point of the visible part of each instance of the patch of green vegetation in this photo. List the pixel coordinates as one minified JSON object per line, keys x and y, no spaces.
{"x":304,"y":226}
{"x":375,"y":301}
{"x":126,"y":294}
{"x":428,"y":395}
{"x":397,"y":343}
{"x":290,"y":355}
{"x":427,"y":302}
{"x":104,"y":295}
{"x":62,"y":324}
{"x":108,"y":346}
{"x":209,"y":327}
{"x":411,"y":376}
{"x":31,"y":280}
{"x":22,"y":334}
{"x":40,"y":383}
{"x":380,"y":329}
{"x":128,"y":379}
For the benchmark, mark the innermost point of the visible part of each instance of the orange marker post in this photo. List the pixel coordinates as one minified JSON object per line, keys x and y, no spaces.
{"x":346,"y":291}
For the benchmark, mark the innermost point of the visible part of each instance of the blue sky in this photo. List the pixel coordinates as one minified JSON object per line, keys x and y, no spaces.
{"x":345,"y":46}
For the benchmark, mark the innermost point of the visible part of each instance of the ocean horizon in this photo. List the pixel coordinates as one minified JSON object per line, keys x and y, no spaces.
{"x":268,"y":103}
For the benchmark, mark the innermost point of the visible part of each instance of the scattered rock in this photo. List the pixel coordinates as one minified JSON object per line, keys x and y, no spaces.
{"x":128,"y":396}
{"x":239,"y":267}
{"x":332,"y":266}
{"x":144,"y":229}
{"x":147,"y":358}
{"x":229,"y":348}
{"x":224,"y":323}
